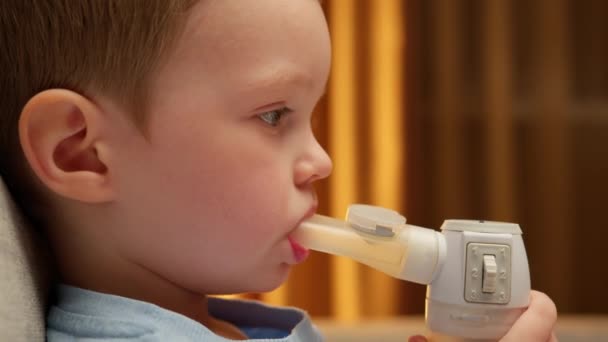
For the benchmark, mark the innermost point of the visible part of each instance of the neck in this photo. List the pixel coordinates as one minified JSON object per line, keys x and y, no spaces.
{"x":99,"y":269}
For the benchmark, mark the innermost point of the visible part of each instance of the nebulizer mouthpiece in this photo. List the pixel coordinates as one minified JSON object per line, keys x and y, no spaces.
{"x":379,"y":238}
{"x":477,"y":271}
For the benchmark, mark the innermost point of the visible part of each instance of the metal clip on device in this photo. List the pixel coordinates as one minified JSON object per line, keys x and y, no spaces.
{"x":476,"y":271}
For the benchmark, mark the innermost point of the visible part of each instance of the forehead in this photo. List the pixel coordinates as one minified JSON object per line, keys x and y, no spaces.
{"x":257,"y":40}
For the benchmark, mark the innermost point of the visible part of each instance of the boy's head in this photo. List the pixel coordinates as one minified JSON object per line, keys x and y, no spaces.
{"x":108,"y":47}
{"x":206,"y":199}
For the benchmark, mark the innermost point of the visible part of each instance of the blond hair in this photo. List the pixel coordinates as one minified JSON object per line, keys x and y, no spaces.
{"x":107,"y":46}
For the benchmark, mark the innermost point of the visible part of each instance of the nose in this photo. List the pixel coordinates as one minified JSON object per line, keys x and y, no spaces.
{"x":315,"y":164}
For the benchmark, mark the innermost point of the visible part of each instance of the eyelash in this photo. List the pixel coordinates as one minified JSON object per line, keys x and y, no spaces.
{"x":275,"y":116}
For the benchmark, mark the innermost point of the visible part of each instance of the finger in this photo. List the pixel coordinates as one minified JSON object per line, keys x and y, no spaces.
{"x":417,"y":338}
{"x":536,"y":323}
{"x":553,"y":338}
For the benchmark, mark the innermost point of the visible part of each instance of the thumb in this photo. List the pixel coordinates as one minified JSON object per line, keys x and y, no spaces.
{"x":536,"y":323}
{"x":417,"y":338}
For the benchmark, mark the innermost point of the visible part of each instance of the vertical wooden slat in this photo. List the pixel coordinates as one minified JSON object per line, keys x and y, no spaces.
{"x":448,"y":149}
{"x":553,"y":149}
{"x":497,"y":57}
{"x":386,"y":49}
{"x":387,"y":110}
{"x":345,"y":285}
{"x":415,"y":97}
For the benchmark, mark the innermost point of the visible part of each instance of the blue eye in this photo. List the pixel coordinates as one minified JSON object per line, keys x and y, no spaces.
{"x":273,"y":117}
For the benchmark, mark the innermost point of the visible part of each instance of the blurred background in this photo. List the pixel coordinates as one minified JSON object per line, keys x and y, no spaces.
{"x":473,"y":109}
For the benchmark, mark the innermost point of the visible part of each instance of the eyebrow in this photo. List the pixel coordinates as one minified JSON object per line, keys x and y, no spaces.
{"x":280,"y":76}
{"x":268,"y":106}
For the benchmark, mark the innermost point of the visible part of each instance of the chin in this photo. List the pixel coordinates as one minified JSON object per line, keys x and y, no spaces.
{"x":271,"y":281}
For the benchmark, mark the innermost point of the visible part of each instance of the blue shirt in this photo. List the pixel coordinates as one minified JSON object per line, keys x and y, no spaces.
{"x":83,"y":315}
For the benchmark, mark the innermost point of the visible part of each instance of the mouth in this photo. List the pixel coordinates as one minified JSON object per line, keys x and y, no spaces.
{"x":300,"y":253}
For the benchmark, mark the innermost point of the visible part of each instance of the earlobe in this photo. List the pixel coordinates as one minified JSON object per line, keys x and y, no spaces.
{"x":61,"y":133}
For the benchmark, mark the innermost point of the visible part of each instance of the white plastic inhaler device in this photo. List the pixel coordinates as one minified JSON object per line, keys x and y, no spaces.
{"x":476,"y":271}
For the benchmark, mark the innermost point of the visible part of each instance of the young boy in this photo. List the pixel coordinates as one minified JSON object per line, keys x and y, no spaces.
{"x":165,"y":148}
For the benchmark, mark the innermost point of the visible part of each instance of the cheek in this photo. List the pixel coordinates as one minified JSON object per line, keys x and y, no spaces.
{"x":238,"y":187}
{"x":245,"y":189}
{"x":203,"y":196}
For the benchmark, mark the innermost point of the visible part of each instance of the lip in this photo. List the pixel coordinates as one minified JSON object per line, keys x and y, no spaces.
{"x":300,"y":253}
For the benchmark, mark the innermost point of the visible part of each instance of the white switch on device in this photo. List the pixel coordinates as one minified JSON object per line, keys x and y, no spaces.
{"x":490,"y":271}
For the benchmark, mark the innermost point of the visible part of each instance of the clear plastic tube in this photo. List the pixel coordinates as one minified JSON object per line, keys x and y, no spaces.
{"x":409,"y":252}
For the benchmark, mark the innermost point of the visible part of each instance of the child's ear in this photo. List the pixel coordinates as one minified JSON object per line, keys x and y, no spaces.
{"x":61,"y":133}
